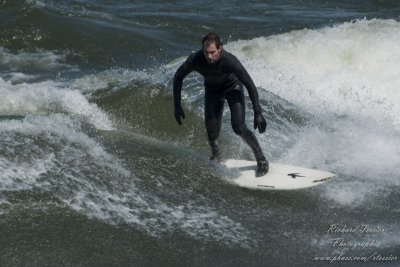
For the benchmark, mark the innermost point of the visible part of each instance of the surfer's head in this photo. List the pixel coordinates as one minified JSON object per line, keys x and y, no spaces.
{"x":212,"y":47}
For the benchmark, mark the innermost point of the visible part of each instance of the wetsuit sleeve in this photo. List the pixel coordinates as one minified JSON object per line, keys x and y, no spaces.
{"x":243,"y":76}
{"x":181,"y":73}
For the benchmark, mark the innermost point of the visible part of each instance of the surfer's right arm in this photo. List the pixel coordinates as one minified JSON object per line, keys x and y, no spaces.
{"x":180,"y":74}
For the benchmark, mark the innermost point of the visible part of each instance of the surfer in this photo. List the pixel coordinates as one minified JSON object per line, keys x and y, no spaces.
{"x":224,"y":77}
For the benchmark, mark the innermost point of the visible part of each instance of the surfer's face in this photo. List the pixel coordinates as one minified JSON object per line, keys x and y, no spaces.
{"x":211,"y":52}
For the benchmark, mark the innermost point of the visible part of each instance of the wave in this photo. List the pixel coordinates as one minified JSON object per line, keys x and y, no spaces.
{"x":53,"y":155}
{"x":50,"y":144}
{"x":25,"y":66}
{"x":49,"y":97}
{"x":346,"y":77}
{"x":340,"y":81}
{"x":350,"y":69}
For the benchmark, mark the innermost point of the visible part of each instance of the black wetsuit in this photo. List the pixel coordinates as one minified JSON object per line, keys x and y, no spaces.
{"x":223,"y":79}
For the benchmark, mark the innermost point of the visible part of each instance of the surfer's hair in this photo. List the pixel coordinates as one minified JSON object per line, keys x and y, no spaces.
{"x":212,"y":38}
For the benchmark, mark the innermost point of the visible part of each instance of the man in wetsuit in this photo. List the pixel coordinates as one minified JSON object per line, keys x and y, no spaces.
{"x":224,"y":77}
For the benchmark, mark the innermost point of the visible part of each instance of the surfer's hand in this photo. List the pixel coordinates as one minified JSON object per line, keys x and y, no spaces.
{"x":179,"y":113}
{"x":259,"y":122}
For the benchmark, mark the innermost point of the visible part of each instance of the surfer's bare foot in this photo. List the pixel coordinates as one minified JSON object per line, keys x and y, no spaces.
{"x":262,"y":167}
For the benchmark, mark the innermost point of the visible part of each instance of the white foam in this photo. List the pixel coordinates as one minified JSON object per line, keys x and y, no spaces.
{"x":57,"y":128}
{"x":59,"y":158}
{"x":32,"y":152}
{"x":21,"y":96}
{"x":17,"y":176}
{"x":353,"y":148}
{"x":33,"y":61}
{"x":349,"y":69}
{"x":35,"y":3}
{"x":365,"y":158}
{"x":114,"y":79}
{"x":347,"y":77}
{"x":48,"y":97}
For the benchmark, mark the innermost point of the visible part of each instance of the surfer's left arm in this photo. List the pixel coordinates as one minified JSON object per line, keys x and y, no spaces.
{"x":244,"y":77}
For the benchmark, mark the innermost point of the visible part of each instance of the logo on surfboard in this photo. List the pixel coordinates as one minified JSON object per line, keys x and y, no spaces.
{"x":294,"y":175}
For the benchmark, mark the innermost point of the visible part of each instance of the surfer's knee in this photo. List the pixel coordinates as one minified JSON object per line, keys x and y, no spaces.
{"x":239,"y":129}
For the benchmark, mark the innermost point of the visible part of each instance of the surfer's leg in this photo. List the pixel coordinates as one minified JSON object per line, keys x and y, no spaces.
{"x":237,"y":106}
{"x":213,"y":109}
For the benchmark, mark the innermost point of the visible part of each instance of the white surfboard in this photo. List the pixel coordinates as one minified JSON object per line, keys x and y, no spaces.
{"x":279,"y":177}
